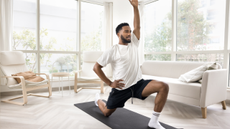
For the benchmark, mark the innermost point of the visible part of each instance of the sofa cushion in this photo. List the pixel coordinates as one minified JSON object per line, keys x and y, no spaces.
{"x":193,"y":75}
{"x":179,"y":88}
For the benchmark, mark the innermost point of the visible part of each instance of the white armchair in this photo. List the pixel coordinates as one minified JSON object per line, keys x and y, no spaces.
{"x":86,"y":74}
{"x":12,"y":62}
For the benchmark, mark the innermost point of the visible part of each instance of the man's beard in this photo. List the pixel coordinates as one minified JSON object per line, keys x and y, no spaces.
{"x":125,"y":40}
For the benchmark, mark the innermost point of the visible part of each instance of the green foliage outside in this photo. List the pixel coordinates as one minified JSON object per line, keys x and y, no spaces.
{"x":92,"y":41}
{"x":25,"y":40}
{"x":192,"y":30}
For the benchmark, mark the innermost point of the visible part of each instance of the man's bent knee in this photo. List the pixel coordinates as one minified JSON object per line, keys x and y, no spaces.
{"x":108,"y":112}
{"x":164,"y":87}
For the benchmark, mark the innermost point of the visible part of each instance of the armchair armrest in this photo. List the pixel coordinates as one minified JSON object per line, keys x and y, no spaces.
{"x":21,"y":78}
{"x":47,"y":76}
{"x":214,"y":85}
{"x":77,"y":73}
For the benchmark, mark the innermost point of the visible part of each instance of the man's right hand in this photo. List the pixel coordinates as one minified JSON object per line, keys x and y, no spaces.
{"x":134,"y":3}
{"x":117,"y":84}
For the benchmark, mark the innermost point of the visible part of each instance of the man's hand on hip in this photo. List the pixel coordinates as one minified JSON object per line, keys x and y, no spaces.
{"x":117,"y":84}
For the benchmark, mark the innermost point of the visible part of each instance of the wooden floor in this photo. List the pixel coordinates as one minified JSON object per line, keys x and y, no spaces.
{"x":59,"y":112}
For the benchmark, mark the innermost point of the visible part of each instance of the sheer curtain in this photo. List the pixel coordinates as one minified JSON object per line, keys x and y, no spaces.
{"x":108,"y":31}
{"x":108,"y":26}
{"x":6,"y":24}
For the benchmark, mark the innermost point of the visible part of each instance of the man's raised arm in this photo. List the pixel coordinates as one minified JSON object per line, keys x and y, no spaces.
{"x":136,"y":21}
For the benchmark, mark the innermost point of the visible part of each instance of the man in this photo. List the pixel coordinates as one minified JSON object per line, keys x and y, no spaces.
{"x":127,"y":76}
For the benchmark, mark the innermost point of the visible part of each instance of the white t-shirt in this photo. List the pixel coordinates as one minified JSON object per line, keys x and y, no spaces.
{"x":124,"y":61}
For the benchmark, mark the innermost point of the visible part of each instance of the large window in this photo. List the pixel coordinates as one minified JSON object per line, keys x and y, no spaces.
{"x":24,"y":15}
{"x":186,"y":30}
{"x":47,"y":34}
{"x":91,"y":26}
{"x":58,"y":25}
{"x":58,"y":33}
{"x":200,"y":25}
{"x":158,"y":29}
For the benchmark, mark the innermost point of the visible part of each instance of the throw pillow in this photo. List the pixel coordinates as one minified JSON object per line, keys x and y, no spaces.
{"x":193,"y":75}
{"x":29,"y":76}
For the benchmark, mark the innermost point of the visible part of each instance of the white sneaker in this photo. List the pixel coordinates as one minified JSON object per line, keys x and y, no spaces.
{"x":97,"y":97}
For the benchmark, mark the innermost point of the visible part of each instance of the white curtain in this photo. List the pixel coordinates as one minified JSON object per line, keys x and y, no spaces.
{"x":107,"y":41}
{"x":108,"y":26}
{"x":6,"y":24}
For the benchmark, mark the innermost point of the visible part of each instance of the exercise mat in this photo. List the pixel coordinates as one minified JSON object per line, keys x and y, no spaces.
{"x":121,"y":119}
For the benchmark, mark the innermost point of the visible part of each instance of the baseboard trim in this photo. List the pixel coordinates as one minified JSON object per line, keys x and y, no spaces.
{"x":11,"y":93}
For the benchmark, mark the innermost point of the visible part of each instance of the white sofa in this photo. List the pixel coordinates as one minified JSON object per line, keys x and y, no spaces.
{"x":212,"y":89}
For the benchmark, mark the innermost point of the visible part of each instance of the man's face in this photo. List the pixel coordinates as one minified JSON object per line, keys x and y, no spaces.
{"x":125,"y":34}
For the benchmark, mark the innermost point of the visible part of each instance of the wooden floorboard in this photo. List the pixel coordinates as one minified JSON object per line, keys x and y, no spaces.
{"x":58,"y":112}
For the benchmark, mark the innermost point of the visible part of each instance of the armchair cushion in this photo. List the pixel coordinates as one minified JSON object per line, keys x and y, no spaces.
{"x":12,"y":58}
{"x":29,"y":76}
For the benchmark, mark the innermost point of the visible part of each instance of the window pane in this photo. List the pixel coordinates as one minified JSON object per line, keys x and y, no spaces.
{"x":24,"y":25}
{"x":158,"y":57}
{"x":52,"y":63}
{"x":31,"y":61}
{"x":158,"y":26}
{"x":91,"y":26}
{"x":58,"y":25}
{"x":200,"y":25}
{"x":201,"y":57}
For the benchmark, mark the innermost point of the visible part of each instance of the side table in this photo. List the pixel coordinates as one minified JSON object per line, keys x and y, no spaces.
{"x":60,"y":75}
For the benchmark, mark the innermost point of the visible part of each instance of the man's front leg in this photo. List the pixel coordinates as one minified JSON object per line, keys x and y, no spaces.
{"x":161,"y":89}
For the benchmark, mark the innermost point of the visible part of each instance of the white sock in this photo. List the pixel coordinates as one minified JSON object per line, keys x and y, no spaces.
{"x":154,"y":123}
{"x":97,"y":97}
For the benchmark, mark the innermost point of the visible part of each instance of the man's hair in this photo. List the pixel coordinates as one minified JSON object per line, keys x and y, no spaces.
{"x":119,"y":27}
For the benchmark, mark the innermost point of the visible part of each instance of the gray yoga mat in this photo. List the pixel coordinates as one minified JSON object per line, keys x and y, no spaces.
{"x":121,"y":119}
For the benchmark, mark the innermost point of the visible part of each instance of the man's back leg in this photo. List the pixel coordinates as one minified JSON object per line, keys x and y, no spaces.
{"x":102,"y":106}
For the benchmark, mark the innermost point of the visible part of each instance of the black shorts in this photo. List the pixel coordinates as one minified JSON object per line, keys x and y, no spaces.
{"x":117,"y":98}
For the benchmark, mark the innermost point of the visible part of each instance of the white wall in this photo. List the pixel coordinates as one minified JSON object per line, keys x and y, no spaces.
{"x":122,"y":12}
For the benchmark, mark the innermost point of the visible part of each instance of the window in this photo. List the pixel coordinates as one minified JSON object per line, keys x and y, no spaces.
{"x":158,"y":29}
{"x":193,"y":31}
{"x":24,"y":34}
{"x":52,"y":63}
{"x":58,"y":25}
{"x":158,"y":57}
{"x":201,"y":58}
{"x":91,"y":26}
{"x":31,"y":61}
{"x":199,"y":24}
{"x":55,"y":48}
